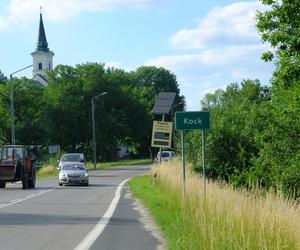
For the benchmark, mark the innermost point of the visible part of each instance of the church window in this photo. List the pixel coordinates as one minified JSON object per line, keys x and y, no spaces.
{"x":40,"y":66}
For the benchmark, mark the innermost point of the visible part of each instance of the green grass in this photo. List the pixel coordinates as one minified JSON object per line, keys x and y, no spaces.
{"x":50,"y":169}
{"x":227,"y":219}
{"x":163,"y":206}
{"x":105,"y":165}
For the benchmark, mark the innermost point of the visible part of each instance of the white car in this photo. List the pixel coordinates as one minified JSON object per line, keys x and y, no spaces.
{"x":165,"y":155}
{"x":73,"y":173}
{"x":72,"y":157}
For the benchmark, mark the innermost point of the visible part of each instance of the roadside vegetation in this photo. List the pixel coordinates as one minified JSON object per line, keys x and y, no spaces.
{"x":60,"y":113}
{"x":50,"y":168}
{"x":254,"y":140}
{"x":228,"y":218}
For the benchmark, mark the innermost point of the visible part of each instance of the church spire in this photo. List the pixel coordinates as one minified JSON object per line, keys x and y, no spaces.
{"x":42,"y":57}
{"x":42,"y":44}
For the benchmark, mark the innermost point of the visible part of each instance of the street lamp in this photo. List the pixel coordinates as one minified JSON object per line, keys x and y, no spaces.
{"x":12,"y":109}
{"x":93,"y":124}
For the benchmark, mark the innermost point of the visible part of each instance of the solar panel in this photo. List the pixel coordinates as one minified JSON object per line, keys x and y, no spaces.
{"x":163,"y":102}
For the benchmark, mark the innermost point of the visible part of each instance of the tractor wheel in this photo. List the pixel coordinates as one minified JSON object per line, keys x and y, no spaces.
{"x":25,"y":181}
{"x":31,"y":180}
{"x":2,"y":184}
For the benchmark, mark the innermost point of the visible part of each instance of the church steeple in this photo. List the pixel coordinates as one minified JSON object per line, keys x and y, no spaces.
{"x":42,"y":57}
{"x":42,"y":44}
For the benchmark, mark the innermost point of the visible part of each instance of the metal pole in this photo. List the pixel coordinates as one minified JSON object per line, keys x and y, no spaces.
{"x":94,"y":133}
{"x":12,"y":111}
{"x":173,"y":131}
{"x":183,"y":162}
{"x":93,"y":125}
{"x":203,"y":162}
{"x":163,"y":119}
{"x":12,"y":108}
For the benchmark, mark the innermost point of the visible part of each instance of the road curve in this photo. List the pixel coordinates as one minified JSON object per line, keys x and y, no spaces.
{"x":53,"y":217}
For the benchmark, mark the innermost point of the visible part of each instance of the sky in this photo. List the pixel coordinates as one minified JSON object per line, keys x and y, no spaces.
{"x":206,"y":44}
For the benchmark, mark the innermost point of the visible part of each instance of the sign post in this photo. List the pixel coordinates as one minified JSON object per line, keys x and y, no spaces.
{"x":203,"y":163}
{"x":193,"y":121}
{"x":183,"y":162}
{"x":162,"y":106}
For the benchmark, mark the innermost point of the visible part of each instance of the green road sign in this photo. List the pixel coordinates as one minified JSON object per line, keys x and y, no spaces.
{"x":192,"y":120}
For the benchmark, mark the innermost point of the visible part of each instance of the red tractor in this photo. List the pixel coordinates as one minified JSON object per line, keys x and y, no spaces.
{"x":17,"y":164}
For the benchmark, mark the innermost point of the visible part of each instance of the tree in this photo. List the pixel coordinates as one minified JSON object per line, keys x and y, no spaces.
{"x":149,"y":81}
{"x":3,"y":78}
{"x":280,"y":26}
{"x":119,"y":115}
{"x":237,"y":116}
{"x":28,"y":107}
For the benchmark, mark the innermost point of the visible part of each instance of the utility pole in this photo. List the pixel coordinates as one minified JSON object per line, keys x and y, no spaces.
{"x":93,"y":127}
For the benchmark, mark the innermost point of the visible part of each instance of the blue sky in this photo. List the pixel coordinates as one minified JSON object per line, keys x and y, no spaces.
{"x":206,"y":44}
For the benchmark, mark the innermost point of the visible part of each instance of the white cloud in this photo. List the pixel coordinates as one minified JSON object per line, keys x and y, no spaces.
{"x":226,"y":48}
{"x":217,"y":58}
{"x":229,"y":25}
{"x":22,"y":12}
{"x":214,"y":68}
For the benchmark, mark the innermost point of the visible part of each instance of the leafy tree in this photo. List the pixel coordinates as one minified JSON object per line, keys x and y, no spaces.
{"x":154,"y":80}
{"x":149,"y":81}
{"x":280,"y":26}
{"x":3,"y":78}
{"x":28,"y":108}
{"x":119,"y":115}
{"x":237,"y":115}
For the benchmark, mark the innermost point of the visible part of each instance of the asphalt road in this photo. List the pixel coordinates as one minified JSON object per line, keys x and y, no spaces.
{"x":100,"y":216}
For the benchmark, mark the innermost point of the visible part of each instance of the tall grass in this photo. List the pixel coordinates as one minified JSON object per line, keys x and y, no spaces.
{"x":227,"y":218}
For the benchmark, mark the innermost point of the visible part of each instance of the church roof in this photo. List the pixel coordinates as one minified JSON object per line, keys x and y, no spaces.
{"x":40,"y":80}
{"x":42,"y":44}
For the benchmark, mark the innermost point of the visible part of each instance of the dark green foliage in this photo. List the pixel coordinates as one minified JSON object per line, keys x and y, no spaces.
{"x":3,"y":78}
{"x":280,"y":26}
{"x":237,"y":115}
{"x":255,"y":134}
{"x":61,"y":112}
{"x":28,"y":107}
{"x":251,"y":143}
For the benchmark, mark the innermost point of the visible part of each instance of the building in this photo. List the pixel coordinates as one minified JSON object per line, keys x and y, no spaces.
{"x":42,"y":57}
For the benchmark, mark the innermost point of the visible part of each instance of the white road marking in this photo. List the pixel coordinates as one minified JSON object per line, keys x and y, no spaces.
{"x":10,"y":203}
{"x":112,"y":173}
{"x":88,"y":241}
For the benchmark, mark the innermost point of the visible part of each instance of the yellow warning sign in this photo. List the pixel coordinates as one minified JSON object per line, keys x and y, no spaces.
{"x":161,"y":134}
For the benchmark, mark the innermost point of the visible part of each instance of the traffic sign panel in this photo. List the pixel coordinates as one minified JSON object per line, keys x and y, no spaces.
{"x":161,"y":134}
{"x":192,"y":120}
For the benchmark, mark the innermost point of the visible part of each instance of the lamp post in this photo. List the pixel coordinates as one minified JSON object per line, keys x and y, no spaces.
{"x":93,"y":125}
{"x":12,"y":109}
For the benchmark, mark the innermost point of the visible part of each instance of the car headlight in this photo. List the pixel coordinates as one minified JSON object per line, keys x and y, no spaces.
{"x":86,"y":174}
{"x":62,"y":174}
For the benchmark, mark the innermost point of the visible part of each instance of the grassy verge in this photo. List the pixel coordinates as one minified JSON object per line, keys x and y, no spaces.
{"x":104,"y":165}
{"x":50,"y":169}
{"x":226,"y":219}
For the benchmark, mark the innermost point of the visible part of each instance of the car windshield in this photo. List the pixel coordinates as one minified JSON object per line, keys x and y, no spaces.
{"x":11,"y":153}
{"x":164,"y":154}
{"x":73,"y":167}
{"x":71,"y":157}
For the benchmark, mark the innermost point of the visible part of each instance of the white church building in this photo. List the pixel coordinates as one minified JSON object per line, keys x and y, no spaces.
{"x":42,"y":57}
